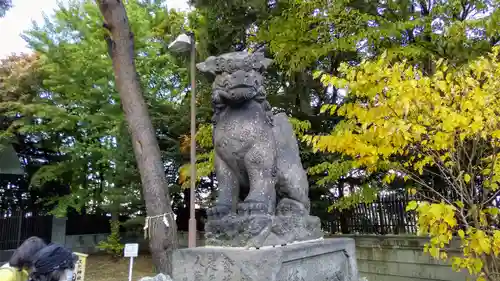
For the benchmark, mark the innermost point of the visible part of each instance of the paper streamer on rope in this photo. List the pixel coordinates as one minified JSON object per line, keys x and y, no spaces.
{"x":151,"y":222}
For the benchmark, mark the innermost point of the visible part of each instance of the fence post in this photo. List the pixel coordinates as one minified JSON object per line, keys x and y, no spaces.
{"x":19,"y":227}
{"x":345,"y":215}
{"x":381,"y":216}
{"x":58,"y":230}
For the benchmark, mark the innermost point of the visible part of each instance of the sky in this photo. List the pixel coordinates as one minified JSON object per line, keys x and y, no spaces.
{"x":20,"y":16}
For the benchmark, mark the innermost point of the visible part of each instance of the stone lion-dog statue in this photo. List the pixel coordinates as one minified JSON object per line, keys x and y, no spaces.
{"x":262,"y":195}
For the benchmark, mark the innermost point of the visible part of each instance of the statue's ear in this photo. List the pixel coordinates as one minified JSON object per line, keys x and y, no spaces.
{"x":209,"y":66}
{"x":205,"y":67}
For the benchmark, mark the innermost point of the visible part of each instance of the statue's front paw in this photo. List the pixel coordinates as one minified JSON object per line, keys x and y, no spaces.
{"x":290,"y":207}
{"x":218,"y":211}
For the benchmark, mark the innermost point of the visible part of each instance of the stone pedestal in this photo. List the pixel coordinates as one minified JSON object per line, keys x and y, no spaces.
{"x":321,"y":260}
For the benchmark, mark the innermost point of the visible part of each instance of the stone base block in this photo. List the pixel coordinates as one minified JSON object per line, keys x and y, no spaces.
{"x":251,"y":226}
{"x":320,"y":260}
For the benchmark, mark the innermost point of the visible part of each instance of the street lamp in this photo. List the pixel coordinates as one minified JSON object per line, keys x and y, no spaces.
{"x":184,"y":43}
{"x":9,"y":160}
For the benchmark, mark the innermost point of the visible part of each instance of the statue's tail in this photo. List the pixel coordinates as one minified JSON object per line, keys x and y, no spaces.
{"x":292,"y":176}
{"x":284,"y":134}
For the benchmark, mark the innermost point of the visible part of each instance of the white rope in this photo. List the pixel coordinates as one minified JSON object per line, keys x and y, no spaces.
{"x":149,"y":223}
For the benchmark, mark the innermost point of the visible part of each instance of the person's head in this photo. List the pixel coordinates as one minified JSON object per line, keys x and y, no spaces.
{"x":22,"y":257}
{"x":53,"y":263}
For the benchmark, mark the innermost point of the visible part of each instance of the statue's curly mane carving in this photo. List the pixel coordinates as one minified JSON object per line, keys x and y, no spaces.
{"x":238,"y":80}
{"x":231,"y":62}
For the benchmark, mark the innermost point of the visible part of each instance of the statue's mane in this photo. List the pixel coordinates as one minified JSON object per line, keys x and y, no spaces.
{"x":260,"y":98}
{"x":231,"y":62}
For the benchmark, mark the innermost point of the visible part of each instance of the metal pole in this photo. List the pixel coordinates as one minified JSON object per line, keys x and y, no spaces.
{"x":19,"y":227}
{"x":130,"y":267}
{"x":192,"y":218}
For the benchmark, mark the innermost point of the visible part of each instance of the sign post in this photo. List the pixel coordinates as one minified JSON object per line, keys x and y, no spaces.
{"x":131,"y":251}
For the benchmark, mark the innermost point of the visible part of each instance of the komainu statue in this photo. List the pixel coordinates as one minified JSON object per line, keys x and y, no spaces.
{"x":263,"y":190}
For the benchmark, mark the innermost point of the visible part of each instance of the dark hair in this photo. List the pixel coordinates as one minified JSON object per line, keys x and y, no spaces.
{"x":51,"y":262}
{"x":23,"y":255}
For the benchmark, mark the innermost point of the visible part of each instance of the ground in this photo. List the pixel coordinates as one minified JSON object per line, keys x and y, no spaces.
{"x":103,"y":268}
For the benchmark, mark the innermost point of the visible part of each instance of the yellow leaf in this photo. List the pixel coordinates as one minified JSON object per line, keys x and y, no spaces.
{"x":412,"y":205}
{"x":485,"y":245}
{"x":456,"y":263}
{"x":477,"y":265}
{"x":412,"y":191}
{"x":434,"y":252}
{"x":461,"y":234}
{"x":492,"y":211}
{"x":450,"y":220}
{"x":443,"y":255}
{"x":467,"y":178}
{"x":185,"y":143}
{"x":183,"y":173}
{"x":317,"y":74}
{"x":324,"y":108}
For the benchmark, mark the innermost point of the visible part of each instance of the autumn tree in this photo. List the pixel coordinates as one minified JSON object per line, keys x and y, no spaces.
{"x":306,"y":36}
{"x":319,"y":35}
{"x":77,"y":101}
{"x":20,"y":86}
{"x":445,"y":124}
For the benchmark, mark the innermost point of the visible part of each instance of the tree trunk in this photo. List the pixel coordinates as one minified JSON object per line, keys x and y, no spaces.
{"x":163,"y":240}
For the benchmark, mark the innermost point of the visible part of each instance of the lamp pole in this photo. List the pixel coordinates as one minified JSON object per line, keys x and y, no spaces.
{"x":192,"y":217}
{"x":181,"y":44}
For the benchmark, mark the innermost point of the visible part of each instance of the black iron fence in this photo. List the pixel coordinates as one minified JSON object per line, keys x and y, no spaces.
{"x":386,"y":215}
{"x":87,"y":224}
{"x":15,"y":227}
{"x":94,"y":224}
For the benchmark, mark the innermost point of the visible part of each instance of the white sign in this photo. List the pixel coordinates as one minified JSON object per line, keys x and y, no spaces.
{"x":131,"y":250}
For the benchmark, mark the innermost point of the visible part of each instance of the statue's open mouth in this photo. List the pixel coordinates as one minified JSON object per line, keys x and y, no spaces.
{"x":240,"y":86}
{"x":240,"y":93}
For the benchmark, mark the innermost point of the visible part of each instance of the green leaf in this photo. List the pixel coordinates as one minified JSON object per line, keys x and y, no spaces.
{"x":459,"y":204}
{"x":317,"y":74}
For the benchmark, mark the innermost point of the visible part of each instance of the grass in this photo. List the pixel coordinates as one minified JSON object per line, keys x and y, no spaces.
{"x":102,"y":268}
